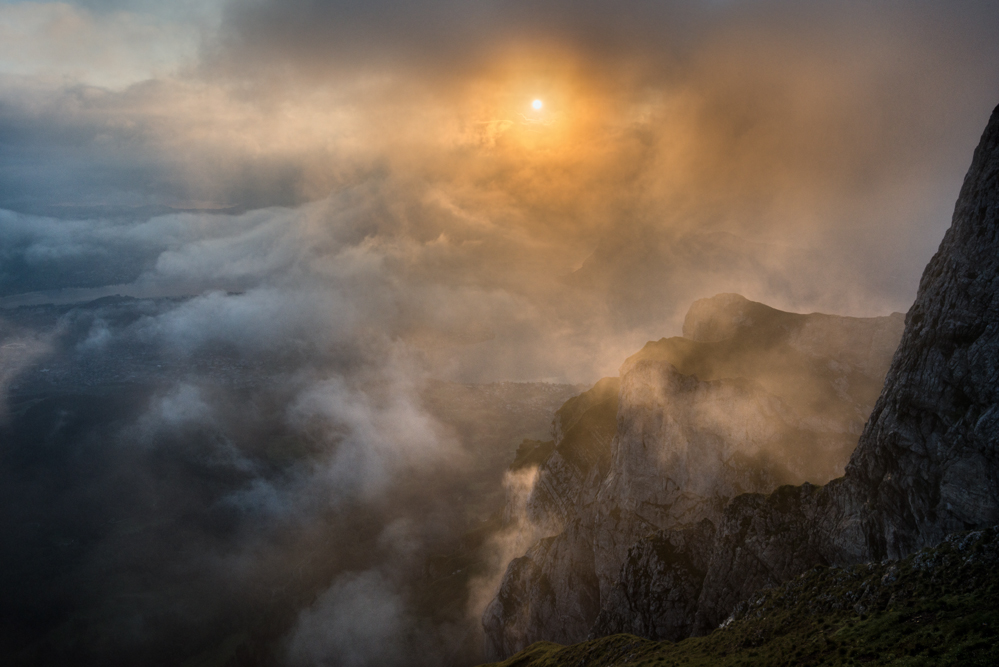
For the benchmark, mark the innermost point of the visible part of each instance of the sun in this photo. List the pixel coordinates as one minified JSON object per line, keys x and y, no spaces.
{"x":537,"y":104}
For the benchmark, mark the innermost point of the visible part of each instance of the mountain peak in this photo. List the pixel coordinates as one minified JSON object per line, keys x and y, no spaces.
{"x":722,"y":316}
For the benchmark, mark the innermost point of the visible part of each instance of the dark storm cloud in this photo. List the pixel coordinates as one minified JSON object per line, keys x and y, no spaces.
{"x":444,"y":34}
{"x":447,"y":36}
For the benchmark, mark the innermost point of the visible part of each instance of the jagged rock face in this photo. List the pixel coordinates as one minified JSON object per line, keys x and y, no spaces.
{"x":550,"y":593}
{"x":763,"y":541}
{"x":928,"y":457}
{"x":660,"y":583}
{"x":688,"y":425}
{"x":684,"y":447}
{"x":582,"y":430}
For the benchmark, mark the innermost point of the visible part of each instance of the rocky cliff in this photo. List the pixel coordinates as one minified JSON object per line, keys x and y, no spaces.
{"x":927,"y":461}
{"x":677,"y":530}
{"x":751,"y":398}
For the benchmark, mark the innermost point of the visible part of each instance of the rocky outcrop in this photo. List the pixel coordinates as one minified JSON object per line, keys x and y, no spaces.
{"x":687,"y":426}
{"x":659,"y":585}
{"x":843,"y":341}
{"x":550,"y":593}
{"x":826,"y":370}
{"x":582,"y":432}
{"x":763,"y":541}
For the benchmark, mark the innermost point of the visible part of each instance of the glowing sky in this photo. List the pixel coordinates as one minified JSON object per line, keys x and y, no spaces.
{"x":387,"y":160}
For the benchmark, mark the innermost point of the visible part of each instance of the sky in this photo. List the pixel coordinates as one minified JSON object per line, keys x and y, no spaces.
{"x":352,"y":199}
{"x":388,"y":154}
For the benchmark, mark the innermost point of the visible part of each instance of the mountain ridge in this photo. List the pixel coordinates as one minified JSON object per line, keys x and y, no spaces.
{"x":789,"y":377}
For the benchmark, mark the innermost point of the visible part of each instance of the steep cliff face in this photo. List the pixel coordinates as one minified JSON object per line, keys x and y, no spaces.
{"x":926,"y":464}
{"x":659,"y":585}
{"x":763,"y":541}
{"x":928,"y":456}
{"x":683,"y":448}
{"x":582,"y":432}
{"x":690,"y":423}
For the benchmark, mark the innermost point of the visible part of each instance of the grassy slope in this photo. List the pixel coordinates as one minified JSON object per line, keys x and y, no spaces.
{"x":937,"y":607}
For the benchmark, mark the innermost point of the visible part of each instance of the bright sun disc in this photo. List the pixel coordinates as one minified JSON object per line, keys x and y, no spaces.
{"x":536,"y":104}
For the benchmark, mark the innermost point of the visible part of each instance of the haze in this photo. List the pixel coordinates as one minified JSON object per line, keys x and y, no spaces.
{"x":348,"y":201}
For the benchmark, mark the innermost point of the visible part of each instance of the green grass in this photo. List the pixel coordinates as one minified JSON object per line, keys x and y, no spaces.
{"x":939,"y":607}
